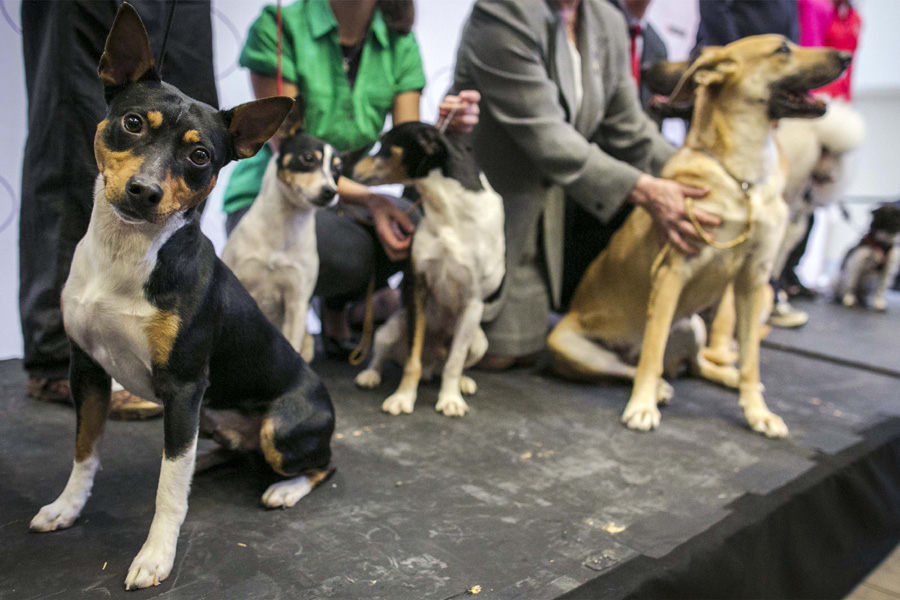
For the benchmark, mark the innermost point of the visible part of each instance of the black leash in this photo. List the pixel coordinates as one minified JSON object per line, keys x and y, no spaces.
{"x":165,"y":41}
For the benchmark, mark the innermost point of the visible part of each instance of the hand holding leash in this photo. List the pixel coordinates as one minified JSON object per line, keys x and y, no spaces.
{"x":664,"y":199}
{"x":459,"y":114}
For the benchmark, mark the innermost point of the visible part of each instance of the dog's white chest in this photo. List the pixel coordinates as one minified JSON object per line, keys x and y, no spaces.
{"x":105,"y":310}
{"x":106,"y":314}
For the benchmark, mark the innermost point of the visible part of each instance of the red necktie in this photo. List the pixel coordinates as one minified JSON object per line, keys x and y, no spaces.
{"x":635,"y":57}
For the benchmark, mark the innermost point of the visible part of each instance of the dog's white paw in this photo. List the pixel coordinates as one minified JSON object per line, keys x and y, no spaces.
{"x":467,"y":385}
{"x":60,"y":514}
{"x":664,"y":393}
{"x":879,"y":303}
{"x":767,"y":423}
{"x":151,"y":566}
{"x":399,"y":402}
{"x":641,"y":418}
{"x":368,"y":379}
{"x":849,"y":299}
{"x":451,"y":404}
{"x":287,"y":493}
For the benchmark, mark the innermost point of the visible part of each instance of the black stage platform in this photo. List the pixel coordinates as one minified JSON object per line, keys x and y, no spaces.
{"x":538,"y":493}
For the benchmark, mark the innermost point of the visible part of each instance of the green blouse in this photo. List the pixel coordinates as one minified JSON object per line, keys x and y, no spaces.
{"x":347,"y":119}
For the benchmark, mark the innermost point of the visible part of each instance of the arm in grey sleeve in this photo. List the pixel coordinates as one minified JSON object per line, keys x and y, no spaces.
{"x":507,"y":68}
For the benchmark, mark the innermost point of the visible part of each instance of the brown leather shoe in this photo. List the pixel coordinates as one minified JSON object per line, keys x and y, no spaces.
{"x":125,"y":406}
{"x":46,"y":389}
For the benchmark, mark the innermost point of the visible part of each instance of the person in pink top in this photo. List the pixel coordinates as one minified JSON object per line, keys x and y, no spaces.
{"x":843,"y":34}
{"x":815,"y":18}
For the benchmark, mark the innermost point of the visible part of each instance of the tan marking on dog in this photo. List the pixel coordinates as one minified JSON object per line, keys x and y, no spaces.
{"x":267,"y":444}
{"x":91,"y":420}
{"x":376,"y":170}
{"x":191,"y":136}
{"x":287,"y":159}
{"x":177,"y":196}
{"x":302,"y":181}
{"x":154,"y":117}
{"x":161,"y":332}
{"x":318,"y":154}
{"x":116,"y":167}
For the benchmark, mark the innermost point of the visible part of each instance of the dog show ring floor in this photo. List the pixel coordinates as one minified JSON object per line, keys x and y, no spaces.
{"x":539,"y":492}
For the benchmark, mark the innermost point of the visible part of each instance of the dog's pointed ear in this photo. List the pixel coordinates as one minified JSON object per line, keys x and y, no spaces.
{"x":713,"y":67}
{"x":127,"y":57}
{"x":295,"y":121}
{"x":253,"y":123}
{"x":663,"y":76}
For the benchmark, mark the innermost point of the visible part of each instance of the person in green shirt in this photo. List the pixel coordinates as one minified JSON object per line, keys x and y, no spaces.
{"x":354,"y":62}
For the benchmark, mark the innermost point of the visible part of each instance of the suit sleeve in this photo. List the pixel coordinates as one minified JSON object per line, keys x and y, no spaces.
{"x":508,"y":69}
{"x":717,"y":19}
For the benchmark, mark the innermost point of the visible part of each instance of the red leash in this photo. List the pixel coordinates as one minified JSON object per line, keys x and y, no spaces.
{"x":278,"y":81}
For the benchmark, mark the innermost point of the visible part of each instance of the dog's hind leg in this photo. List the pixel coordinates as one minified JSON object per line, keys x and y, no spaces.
{"x":888,"y":276}
{"x":847,"y":287}
{"x":750,"y":301}
{"x":404,"y":399}
{"x":641,"y":412}
{"x":450,"y":400}
{"x":180,"y":426}
{"x":90,"y":387}
{"x":388,"y":338}
{"x":295,"y":439}
{"x":720,"y":349}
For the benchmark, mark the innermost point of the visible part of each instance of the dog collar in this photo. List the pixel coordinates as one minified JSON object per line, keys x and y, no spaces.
{"x":745,"y":188}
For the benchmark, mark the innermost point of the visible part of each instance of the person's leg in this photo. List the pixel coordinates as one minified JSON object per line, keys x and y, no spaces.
{"x":62,"y":43}
{"x":518,"y":328}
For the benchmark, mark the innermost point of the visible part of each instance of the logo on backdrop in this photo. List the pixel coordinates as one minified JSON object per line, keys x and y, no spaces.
{"x":8,"y":18}
{"x":8,"y":205}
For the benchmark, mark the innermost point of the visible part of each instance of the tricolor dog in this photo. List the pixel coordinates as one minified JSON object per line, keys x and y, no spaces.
{"x":871,"y":266}
{"x":636,"y":289}
{"x":458,"y":262}
{"x":272,"y":251}
{"x":148,"y":302}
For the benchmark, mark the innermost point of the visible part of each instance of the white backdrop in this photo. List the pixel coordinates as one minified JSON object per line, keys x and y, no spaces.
{"x":438,"y":26}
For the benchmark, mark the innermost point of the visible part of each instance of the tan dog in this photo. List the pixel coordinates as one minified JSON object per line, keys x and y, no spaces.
{"x":638,"y":287}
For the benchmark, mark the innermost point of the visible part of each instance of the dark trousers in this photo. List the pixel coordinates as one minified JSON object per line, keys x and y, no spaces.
{"x":585,"y":238}
{"x":62,"y":43}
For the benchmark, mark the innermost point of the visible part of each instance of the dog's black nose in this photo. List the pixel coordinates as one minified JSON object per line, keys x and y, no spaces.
{"x":328,"y":193}
{"x":143,"y":192}
{"x":845,"y":58}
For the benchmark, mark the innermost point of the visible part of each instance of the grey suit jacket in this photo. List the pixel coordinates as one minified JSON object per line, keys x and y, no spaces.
{"x":528,"y":141}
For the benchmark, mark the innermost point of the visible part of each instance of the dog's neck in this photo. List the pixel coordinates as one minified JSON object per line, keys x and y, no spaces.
{"x":736,"y":132}
{"x":282,"y":216}
{"x":124,"y":242}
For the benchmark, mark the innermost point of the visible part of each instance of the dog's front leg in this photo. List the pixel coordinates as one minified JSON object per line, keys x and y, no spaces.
{"x":181,"y":422}
{"x":720,"y":349}
{"x":404,"y":399}
{"x":90,"y":387}
{"x":887,"y":278}
{"x":450,"y":400}
{"x":296,"y":306}
{"x":750,"y":300}
{"x":851,"y":274}
{"x":641,"y":412}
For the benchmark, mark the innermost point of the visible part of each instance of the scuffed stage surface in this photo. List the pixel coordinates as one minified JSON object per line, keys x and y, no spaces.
{"x":524,"y":496}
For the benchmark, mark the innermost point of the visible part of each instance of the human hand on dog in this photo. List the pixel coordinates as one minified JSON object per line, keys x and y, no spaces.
{"x":464,"y":108}
{"x":392,"y":225}
{"x":664,"y":200}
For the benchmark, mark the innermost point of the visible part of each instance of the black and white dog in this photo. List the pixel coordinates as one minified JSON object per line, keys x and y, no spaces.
{"x":148,"y":302}
{"x":871,"y":266}
{"x":272,"y":250}
{"x":458,"y":261}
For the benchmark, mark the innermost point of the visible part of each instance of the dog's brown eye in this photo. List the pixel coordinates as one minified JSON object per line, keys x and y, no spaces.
{"x":132,"y":123}
{"x":783,"y":49}
{"x":309,"y":157}
{"x":199,"y":157}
